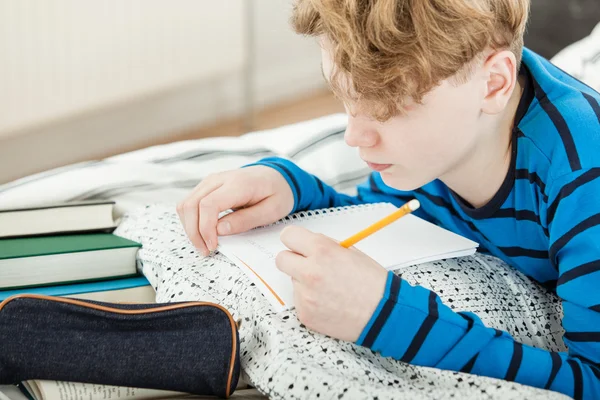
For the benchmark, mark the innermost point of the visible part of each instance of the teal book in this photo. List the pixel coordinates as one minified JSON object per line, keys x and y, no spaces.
{"x":64,"y":259}
{"x":137,"y":289}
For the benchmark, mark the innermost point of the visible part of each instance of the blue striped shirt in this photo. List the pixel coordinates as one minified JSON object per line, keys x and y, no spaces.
{"x":544,"y":221}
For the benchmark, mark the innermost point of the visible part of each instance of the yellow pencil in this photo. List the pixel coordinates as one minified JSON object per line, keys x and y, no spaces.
{"x":399,"y":213}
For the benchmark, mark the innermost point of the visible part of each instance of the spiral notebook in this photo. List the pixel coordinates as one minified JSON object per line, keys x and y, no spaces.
{"x":408,"y":241}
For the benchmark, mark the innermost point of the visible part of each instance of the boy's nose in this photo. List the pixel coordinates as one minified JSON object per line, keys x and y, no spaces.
{"x":359,"y":135}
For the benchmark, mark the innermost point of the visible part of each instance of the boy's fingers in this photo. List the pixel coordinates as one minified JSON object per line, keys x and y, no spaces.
{"x":191,"y":227}
{"x":245,"y":219}
{"x":224,"y":198}
{"x":291,"y":264}
{"x":302,"y":241}
{"x":199,"y":192}
{"x":188,"y":210}
{"x":180,"y":214}
{"x":208,"y":185}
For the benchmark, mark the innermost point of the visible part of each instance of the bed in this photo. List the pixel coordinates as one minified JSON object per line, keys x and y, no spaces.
{"x":280,"y":357}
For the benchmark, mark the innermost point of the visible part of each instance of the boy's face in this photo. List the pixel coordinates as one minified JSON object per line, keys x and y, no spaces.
{"x":429,"y":141}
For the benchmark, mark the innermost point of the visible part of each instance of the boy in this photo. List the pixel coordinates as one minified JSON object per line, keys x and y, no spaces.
{"x":498,"y":145}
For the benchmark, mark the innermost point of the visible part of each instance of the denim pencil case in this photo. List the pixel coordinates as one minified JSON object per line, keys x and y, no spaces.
{"x":186,"y":347}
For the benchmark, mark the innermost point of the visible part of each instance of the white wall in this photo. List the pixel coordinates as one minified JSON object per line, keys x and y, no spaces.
{"x":63,"y":57}
{"x":83,"y":78}
{"x":282,"y":59}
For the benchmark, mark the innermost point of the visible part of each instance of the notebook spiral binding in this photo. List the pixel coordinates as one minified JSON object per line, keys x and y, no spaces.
{"x":314,"y":214}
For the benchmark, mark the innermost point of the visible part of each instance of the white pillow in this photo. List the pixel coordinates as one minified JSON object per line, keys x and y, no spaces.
{"x":582,"y":59}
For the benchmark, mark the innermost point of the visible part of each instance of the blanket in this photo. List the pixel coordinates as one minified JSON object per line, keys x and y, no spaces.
{"x":285,"y":360}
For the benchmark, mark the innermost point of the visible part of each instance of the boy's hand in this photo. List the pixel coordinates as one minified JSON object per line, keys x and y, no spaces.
{"x":261,"y":194}
{"x":336,"y":290}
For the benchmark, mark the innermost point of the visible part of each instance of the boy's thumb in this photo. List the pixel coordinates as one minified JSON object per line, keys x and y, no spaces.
{"x":224,"y":228}
{"x":245,"y":219}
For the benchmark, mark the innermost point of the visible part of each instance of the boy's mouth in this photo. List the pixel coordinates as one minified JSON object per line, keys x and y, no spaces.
{"x":378,"y":167}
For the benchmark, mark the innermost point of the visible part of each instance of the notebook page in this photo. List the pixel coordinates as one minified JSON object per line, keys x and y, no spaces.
{"x":407,"y":241}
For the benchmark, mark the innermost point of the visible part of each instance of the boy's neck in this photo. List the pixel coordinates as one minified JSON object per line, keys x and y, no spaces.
{"x":481,"y":174}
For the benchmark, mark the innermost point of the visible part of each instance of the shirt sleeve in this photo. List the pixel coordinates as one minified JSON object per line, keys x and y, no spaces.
{"x":311,"y":193}
{"x":411,"y":324}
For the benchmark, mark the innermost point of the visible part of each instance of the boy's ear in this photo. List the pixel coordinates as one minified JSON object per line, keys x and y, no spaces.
{"x":501,"y":72}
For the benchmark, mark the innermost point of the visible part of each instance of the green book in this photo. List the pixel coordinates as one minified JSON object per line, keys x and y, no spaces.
{"x":51,"y":260}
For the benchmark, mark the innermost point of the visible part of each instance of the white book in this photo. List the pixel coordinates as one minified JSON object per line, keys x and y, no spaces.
{"x":408,"y":241}
{"x":83,"y":216}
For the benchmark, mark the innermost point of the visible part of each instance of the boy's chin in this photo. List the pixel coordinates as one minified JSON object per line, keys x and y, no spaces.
{"x":403,"y":182}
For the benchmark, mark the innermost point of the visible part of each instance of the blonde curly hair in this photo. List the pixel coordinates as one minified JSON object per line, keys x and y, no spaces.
{"x":388,"y":51}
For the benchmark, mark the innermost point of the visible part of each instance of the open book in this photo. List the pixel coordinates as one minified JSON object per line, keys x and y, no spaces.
{"x":59,"y":390}
{"x":408,"y":241}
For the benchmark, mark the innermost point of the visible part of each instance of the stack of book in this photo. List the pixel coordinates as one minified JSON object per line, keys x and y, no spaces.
{"x":69,"y":250}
